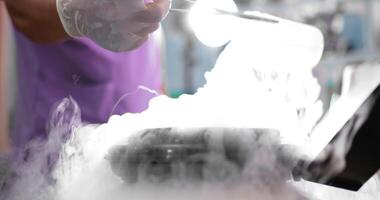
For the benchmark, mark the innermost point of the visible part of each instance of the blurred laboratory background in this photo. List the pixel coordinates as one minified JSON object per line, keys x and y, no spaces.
{"x":351,"y":29}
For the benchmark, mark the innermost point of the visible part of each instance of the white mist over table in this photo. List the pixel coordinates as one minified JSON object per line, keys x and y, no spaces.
{"x":262,"y":79}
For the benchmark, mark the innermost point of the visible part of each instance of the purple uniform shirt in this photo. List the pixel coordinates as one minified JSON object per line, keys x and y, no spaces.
{"x":94,"y":77}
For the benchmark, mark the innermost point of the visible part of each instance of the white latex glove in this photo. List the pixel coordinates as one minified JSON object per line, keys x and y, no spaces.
{"x":117,"y":25}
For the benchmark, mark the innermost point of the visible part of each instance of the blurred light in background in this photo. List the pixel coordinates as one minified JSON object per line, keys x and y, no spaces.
{"x":210,"y":27}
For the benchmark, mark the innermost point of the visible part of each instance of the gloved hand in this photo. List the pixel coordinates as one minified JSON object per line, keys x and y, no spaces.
{"x":117,"y":25}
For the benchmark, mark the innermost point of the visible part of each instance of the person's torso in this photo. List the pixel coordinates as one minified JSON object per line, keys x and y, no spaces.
{"x":95,"y":78}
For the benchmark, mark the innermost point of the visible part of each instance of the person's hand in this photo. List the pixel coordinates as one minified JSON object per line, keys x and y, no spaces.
{"x":117,"y":25}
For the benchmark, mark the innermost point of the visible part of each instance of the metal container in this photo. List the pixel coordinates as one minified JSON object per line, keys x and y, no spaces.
{"x":199,"y":154}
